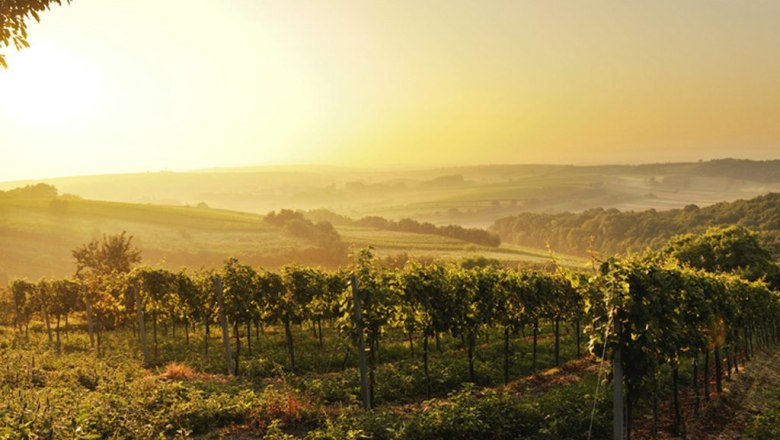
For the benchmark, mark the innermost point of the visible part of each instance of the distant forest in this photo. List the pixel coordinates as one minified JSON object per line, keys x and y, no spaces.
{"x":742,"y":169}
{"x":471,"y":235}
{"x":327,"y":245}
{"x":611,"y":231}
{"x":758,"y":170}
{"x":37,"y":191}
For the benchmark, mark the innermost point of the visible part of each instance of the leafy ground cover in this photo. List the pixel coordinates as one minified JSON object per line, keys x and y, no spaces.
{"x":75,"y":392}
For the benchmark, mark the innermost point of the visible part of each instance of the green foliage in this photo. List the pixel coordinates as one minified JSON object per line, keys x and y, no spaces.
{"x":22,"y":292}
{"x":732,"y":249}
{"x":322,"y":234}
{"x":611,"y":231}
{"x":37,"y":191}
{"x":468,"y":414}
{"x":655,"y":313}
{"x":240,"y":287}
{"x":113,"y":253}
{"x":767,"y":424}
{"x":14,"y":16}
{"x":648,"y":307}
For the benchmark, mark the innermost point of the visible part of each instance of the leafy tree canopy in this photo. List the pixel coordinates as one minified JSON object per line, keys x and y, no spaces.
{"x":732,"y":249}
{"x":14,"y":16}
{"x":112,"y":253}
{"x":609,"y":231}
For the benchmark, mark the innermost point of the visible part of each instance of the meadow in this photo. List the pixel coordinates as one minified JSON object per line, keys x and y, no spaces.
{"x":191,"y":236}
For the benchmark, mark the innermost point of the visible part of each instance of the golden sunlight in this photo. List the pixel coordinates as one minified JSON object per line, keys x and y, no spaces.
{"x":49,"y":87}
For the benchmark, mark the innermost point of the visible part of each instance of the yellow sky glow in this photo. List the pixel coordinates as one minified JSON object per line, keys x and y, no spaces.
{"x":146,"y":85}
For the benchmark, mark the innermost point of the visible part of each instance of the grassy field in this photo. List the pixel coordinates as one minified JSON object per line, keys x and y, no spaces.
{"x":387,"y":243}
{"x":38,"y":235}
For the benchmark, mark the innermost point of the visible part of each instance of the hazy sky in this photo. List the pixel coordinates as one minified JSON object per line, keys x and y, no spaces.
{"x":111,"y":86}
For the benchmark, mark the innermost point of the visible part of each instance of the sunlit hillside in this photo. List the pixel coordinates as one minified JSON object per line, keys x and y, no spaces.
{"x":38,"y":235}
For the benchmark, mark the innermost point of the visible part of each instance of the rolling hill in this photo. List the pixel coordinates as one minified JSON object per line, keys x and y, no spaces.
{"x":38,"y":234}
{"x":611,"y":231}
{"x":468,"y":196}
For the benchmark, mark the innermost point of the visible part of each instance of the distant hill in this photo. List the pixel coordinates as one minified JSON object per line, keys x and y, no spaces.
{"x":611,"y":231}
{"x":761,"y":171}
{"x":469,"y":196}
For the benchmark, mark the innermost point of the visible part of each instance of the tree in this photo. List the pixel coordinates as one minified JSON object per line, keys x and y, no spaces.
{"x":157,"y":286}
{"x":189,"y":302}
{"x":204,"y":309}
{"x":107,"y":296}
{"x":425,"y":305}
{"x":64,"y":301}
{"x":377,"y":290}
{"x":23,"y":292}
{"x":270,"y":287}
{"x":509,"y":309}
{"x":732,"y":249}
{"x":240,"y":283}
{"x":301,"y":285}
{"x":42,"y":299}
{"x":113,"y":253}
{"x":467,"y":318}
{"x":536,"y":289}
{"x":14,"y":16}
{"x":324,"y":298}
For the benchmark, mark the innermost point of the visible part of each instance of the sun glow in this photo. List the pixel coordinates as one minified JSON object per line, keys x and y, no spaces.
{"x":109,"y":87}
{"x":46,"y":87}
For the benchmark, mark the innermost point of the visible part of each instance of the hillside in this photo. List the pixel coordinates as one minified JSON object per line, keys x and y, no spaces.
{"x":468,"y":196}
{"x":38,"y":234}
{"x":611,"y":231}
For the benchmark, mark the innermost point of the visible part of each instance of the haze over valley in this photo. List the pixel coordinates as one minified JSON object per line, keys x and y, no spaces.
{"x":390,"y":220}
{"x":470,"y":196}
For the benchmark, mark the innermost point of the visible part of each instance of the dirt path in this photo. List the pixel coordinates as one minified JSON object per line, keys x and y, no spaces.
{"x":725,"y":416}
{"x":729,"y":416}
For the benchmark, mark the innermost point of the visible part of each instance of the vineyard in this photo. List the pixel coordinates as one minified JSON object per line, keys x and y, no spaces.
{"x":400,"y":220}
{"x":123,"y":351}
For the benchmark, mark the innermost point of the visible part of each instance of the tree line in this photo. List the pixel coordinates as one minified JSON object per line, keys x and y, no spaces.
{"x":610,"y":231}
{"x":471,"y":235}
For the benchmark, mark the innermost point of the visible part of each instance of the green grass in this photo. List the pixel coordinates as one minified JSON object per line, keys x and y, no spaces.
{"x":388,"y":243}
{"x":38,"y":235}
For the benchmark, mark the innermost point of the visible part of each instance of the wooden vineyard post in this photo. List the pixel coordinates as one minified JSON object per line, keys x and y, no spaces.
{"x":579,"y":336}
{"x":139,"y":310}
{"x":45,"y":310}
{"x":718,"y":370}
{"x":88,"y":302}
{"x":364,"y":390}
{"x":617,"y":394}
{"x":557,"y":326}
{"x":536,"y":335}
{"x":223,"y":323}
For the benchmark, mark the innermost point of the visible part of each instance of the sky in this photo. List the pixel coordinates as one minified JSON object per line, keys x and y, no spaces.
{"x":113,"y":86}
